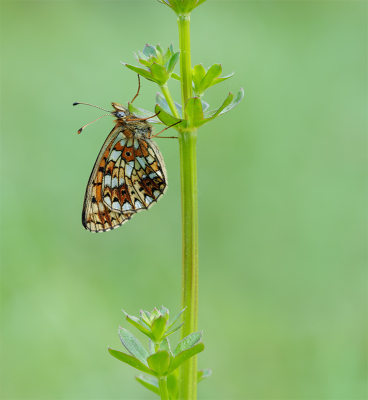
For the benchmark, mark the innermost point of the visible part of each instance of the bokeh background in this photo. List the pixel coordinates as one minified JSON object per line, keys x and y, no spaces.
{"x":282,"y":200}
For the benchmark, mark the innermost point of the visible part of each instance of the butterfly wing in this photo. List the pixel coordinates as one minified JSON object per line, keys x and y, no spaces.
{"x":96,"y":216}
{"x":135,"y":175}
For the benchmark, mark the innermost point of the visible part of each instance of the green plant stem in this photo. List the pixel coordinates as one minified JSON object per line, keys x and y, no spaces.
{"x":185,"y":63}
{"x":170,"y":101}
{"x":162,"y":384}
{"x":188,"y":174}
{"x":189,"y":204}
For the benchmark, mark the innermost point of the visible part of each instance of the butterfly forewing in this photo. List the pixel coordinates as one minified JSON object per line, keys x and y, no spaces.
{"x":96,"y":216}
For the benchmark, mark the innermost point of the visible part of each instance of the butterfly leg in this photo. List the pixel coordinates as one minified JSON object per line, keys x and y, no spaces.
{"x":165,"y":137}
{"x":143,"y":119}
{"x":139,"y":88}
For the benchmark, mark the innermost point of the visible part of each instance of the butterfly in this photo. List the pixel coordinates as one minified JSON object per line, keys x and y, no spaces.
{"x":129,"y":174}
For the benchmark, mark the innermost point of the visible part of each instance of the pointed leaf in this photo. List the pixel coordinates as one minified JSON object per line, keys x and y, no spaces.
{"x":198,"y":74}
{"x":203,"y":374}
{"x":167,"y":55}
{"x":149,"y":50}
{"x":165,"y":345}
{"x":173,"y":60}
{"x":193,"y":111}
{"x":144,"y":62}
{"x":174,"y":330}
{"x":138,"y":325}
{"x":159,"y":73}
{"x":160,"y":50}
{"x":175,"y":76}
{"x":149,"y":383}
{"x":184,"y":356}
{"x":164,"y":311}
{"x":168,"y":119}
{"x":132,"y":361}
{"x":133,"y":345}
{"x":173,"y":386}
{"x":154,"y":314}
{"x":214,"y":113}
{"x":213,"y":73}
{"x":140,"y":71}
{"x":177,"y":316}
{"x":144,"y":316}
{"x":159,"y":362}
{"x":171,"y":47}
{"x":158,"y":328}
{"x":221,"y":79}
{"x":188,"y":342}
{"x":234,"y":103}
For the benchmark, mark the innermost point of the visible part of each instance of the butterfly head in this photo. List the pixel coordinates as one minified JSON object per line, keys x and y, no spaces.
{"x":120,"y":111}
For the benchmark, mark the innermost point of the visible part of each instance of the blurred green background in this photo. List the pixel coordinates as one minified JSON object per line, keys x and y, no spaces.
{"x":282,"y":200}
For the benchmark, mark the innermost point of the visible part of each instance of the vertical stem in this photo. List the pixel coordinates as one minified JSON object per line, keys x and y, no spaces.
{"x":188,"y":175}
{"x":162,"y":384}
{"x":185,"y":64}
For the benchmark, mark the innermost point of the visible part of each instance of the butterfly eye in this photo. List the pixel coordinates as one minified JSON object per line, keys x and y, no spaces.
{"x":120,"y":114}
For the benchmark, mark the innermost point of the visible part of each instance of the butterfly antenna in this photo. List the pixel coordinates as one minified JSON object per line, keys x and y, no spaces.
{"x":81,"y":129}
{"x":75,"y":104}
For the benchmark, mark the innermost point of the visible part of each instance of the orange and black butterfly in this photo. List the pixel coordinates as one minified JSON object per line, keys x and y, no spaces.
{"x":129,"y":174}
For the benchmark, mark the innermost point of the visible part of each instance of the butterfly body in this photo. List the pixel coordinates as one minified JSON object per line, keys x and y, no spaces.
{"x":129,"y":174}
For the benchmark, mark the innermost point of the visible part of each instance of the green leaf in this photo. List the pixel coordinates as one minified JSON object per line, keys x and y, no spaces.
{"x":145,"y":315}
{"x":154,"y":313}
{"x":144,"y":62}
{"x":214,"y":72}
{"x":198,"y":74}
{"x":203,"y":374}
{"x":184,"y":356}
{"x":164,"y":311}
{"x":172,"y":62}
{"x":212,"y":114}
{"x":173,"y":386}
{"x":175,"y":76}
{"x":159,"y":362}
{"x":133,"y":345}
{"x":188,"y":342}
{"x":158,"y":328}
{"x":149,"y":383}
{"x":159,"y":73}
{"x":177,"y":316}
{"x":138,"y":325}
{"x":174,"y":330}
{"x":234,"y":103}
{"x":140,"y":71}
{"x":168,"y":119}
{"x":167,"y":56}
{"x":165,"y":345}
{"x":130,"y":360}
{"x":149,"y":51}
{"x":221,"y":79}
{"x":171,"y":47}
{"x":193,"y":111}
{"x":160,"y":50}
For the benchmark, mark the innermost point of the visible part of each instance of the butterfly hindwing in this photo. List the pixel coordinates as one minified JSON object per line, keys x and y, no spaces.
{"x":135,"y":175}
